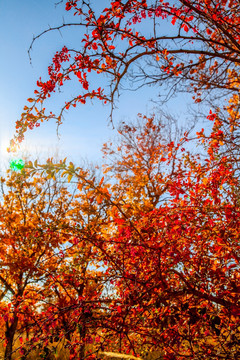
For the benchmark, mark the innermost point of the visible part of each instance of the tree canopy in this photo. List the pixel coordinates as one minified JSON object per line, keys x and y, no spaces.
{"x":144,"y":254}
{"x":188,"y":46}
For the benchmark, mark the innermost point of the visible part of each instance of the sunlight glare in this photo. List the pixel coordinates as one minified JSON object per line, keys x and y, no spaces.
{"x":4,"y":144}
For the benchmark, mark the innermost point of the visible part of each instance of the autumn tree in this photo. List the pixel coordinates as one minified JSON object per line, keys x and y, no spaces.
{"x":185,"y":45}
{"x":169,"y":241}
{"x":165,"y":227}
{"x":33,"y":214}
{"x":53,"y":263}
{"x":178,"y":275}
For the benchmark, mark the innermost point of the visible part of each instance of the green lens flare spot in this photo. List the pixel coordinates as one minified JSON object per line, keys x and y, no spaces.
{"x":17,"y":165}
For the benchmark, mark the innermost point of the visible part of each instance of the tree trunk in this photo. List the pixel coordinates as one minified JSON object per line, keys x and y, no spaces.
{"x":82,"y":331}
{"x":9,"y":334}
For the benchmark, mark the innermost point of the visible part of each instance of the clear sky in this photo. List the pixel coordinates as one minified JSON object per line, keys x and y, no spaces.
{"x":86,"y":127}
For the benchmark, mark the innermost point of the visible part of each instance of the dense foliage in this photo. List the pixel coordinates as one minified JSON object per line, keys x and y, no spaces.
{"x":144,"y":259}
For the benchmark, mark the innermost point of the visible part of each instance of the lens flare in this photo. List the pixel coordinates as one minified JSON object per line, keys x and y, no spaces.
{"x":17,"y":165}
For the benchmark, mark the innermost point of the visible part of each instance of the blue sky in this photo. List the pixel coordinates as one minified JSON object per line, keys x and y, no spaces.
{"x":86,"y":127}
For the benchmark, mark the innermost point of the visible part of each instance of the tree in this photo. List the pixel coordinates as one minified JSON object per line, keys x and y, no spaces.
{"x":165,"y":227}
{"x":170,"y":243}
{"x":198,"y":51}
{"x":52,"y":277}
{"x":33,"y":213}
{"x":178,"y":275}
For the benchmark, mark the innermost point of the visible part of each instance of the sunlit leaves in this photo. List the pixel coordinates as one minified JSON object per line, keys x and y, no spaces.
{"x":166,"y":231}
{"x":202,"y":51}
